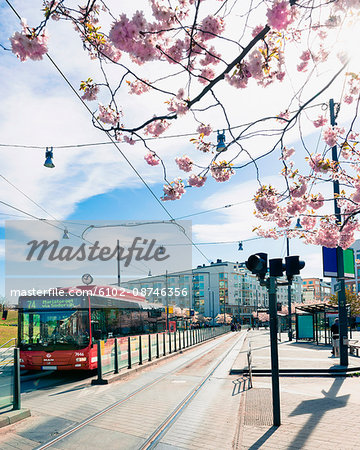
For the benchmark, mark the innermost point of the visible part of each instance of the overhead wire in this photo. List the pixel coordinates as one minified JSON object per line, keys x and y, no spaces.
{"x":111,"y":138}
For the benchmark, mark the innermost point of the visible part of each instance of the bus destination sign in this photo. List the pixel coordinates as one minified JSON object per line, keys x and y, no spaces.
{"x":51,"y":303}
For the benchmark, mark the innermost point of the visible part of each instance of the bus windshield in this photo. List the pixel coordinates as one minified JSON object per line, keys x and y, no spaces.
{"x":54,"y":330}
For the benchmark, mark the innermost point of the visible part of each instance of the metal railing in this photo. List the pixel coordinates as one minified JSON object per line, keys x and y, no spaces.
{"x":10,"y":394}
{"x":249,"y":360}
{"x":130,"y":350}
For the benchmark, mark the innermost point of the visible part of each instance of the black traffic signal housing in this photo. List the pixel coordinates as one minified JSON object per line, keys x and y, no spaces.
{"x":293,"y":265}
{"x":257,"y":264}
{"x":276,"y":267}
{"x":278,"y":306}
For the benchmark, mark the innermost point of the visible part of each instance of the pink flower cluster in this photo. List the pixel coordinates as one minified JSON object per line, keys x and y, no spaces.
{"x":308,"y":222}
{"x":206,"y":75}
{"x":184,"y":163}
{"x":129,"y":140}
{"x":319,"y":164}
{"x":178,"y":107}
{"x":330,"y":135}
{"x":138,"y":87}
{"x":280,"y":15}
{"x":305,"y":58}
{"x":174,"y":190}
{"x":196,"y":181}
{"x":327,"y":234}
{"x":240,"y":78}
{"x":266,"y":201}
{"x":129,"y":36}
{"x":287,"y":153}
{"x":221,"y":171}
{"x":296,"y":206}
{"x":108,"y":115}
{"x":316,"y":201}
{"x":299,"y":189}
{"x":320,"y":121}
{"x":157,"y":127}
{"x":27,"y":45}
{"x":90,"y":90}
{"x":151,"y":159}
{"x":204,"y":129}
{"x":211,"y":57}
{"x":211,"y":27}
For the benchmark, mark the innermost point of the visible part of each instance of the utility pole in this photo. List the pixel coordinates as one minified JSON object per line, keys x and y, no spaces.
{"x":344,"y":358}
{"x":289,"y":293}
{"x":167,"y":301}
{"x":271,"y":284}
{"x":118,"y":262}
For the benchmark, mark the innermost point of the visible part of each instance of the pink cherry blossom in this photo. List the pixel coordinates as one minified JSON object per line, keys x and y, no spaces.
{"x":157,"y":127}
{"x":286,"y":153}
{"x":206,"y":75}
{"x":211,"y":57}
{"x":221,"y":171}
{"x":327,"y":235}
{"x":296,"y":206}
{"x":174,"y":190}
{"x":152,"y":159}
{"x":129,"y":140}
{"x":319,"y":164}
{"x":90,"y":90}
{"x":266,"y":201}
{"x":184,"y":163}
{"x":330,"y":135}
{"x":308,"y":222}
{"x":196,"y":181}
{"x":27,"y":45}
{"x":320,"y":121}
{"x":211,"y":27}
{"x":299,"y":189}
{"x":316,"y":201}
{"x":204,"y":129}
{"x":138,"y":87}
{"x":108,"y":115}
{"x":281,"y":15}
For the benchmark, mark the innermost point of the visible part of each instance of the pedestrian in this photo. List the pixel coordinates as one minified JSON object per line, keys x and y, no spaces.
{"x":335,"y":337}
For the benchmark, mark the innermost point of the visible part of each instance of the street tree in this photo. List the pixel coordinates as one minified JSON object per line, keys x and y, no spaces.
{"x":352,"y":299}
{"x":193,"y":60}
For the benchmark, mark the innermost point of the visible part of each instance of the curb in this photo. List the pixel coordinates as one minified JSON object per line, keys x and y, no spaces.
{"x":10,"y":417}
{"x":336,"y":372}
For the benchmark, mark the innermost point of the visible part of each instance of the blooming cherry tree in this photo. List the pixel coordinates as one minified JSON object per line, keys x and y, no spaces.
{"x":201,"y":47}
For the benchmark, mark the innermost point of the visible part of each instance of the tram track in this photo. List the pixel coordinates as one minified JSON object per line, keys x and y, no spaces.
{"x":152,"y":440}
{"x":160,"y":432}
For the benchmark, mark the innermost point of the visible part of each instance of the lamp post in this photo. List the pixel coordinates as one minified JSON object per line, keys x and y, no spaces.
{"x":118,"y":262}
{"x":289,"y":293}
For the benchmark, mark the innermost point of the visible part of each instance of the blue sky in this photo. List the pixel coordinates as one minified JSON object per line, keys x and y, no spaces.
{"x":95,"y":183}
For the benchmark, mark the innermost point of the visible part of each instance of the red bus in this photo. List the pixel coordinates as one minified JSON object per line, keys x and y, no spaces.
{"x":59,"y":332}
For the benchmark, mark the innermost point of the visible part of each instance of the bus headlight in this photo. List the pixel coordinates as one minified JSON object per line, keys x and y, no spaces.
{"x":81,"y":359}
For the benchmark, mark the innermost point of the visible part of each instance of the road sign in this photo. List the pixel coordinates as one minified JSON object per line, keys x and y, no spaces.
{"x":330,"y":263}
{"x":337,"y":287}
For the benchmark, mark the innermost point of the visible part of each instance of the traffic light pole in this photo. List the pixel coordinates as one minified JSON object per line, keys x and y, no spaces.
{"x":344,"y":358}
{"x":289,"y":295}
{"x":271,"y":285}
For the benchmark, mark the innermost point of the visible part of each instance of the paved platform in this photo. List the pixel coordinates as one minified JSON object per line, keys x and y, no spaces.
{"x":294,"y":357}
{"x":319,"y":412}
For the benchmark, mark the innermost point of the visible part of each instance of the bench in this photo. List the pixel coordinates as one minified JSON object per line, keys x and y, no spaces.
{"x":354,"y":347}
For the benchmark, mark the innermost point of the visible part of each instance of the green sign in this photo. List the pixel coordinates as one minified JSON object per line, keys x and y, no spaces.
{"x":51,"y":303}
{"x":305,"y":327}
{"x":349,"y":266}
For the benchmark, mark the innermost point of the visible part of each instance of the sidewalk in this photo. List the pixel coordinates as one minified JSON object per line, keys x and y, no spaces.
{"x":293,"y":356}
{"x":316,"y":412}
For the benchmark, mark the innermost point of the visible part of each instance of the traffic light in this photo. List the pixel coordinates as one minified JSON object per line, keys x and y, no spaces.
{"x":276,"y":267}
{"x":257,"y":264}
{"x":278,"y":306}
{"x":293,"y":266}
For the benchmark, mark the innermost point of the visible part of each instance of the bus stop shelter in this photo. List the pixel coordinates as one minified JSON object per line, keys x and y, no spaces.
{"x":313,"y":322}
